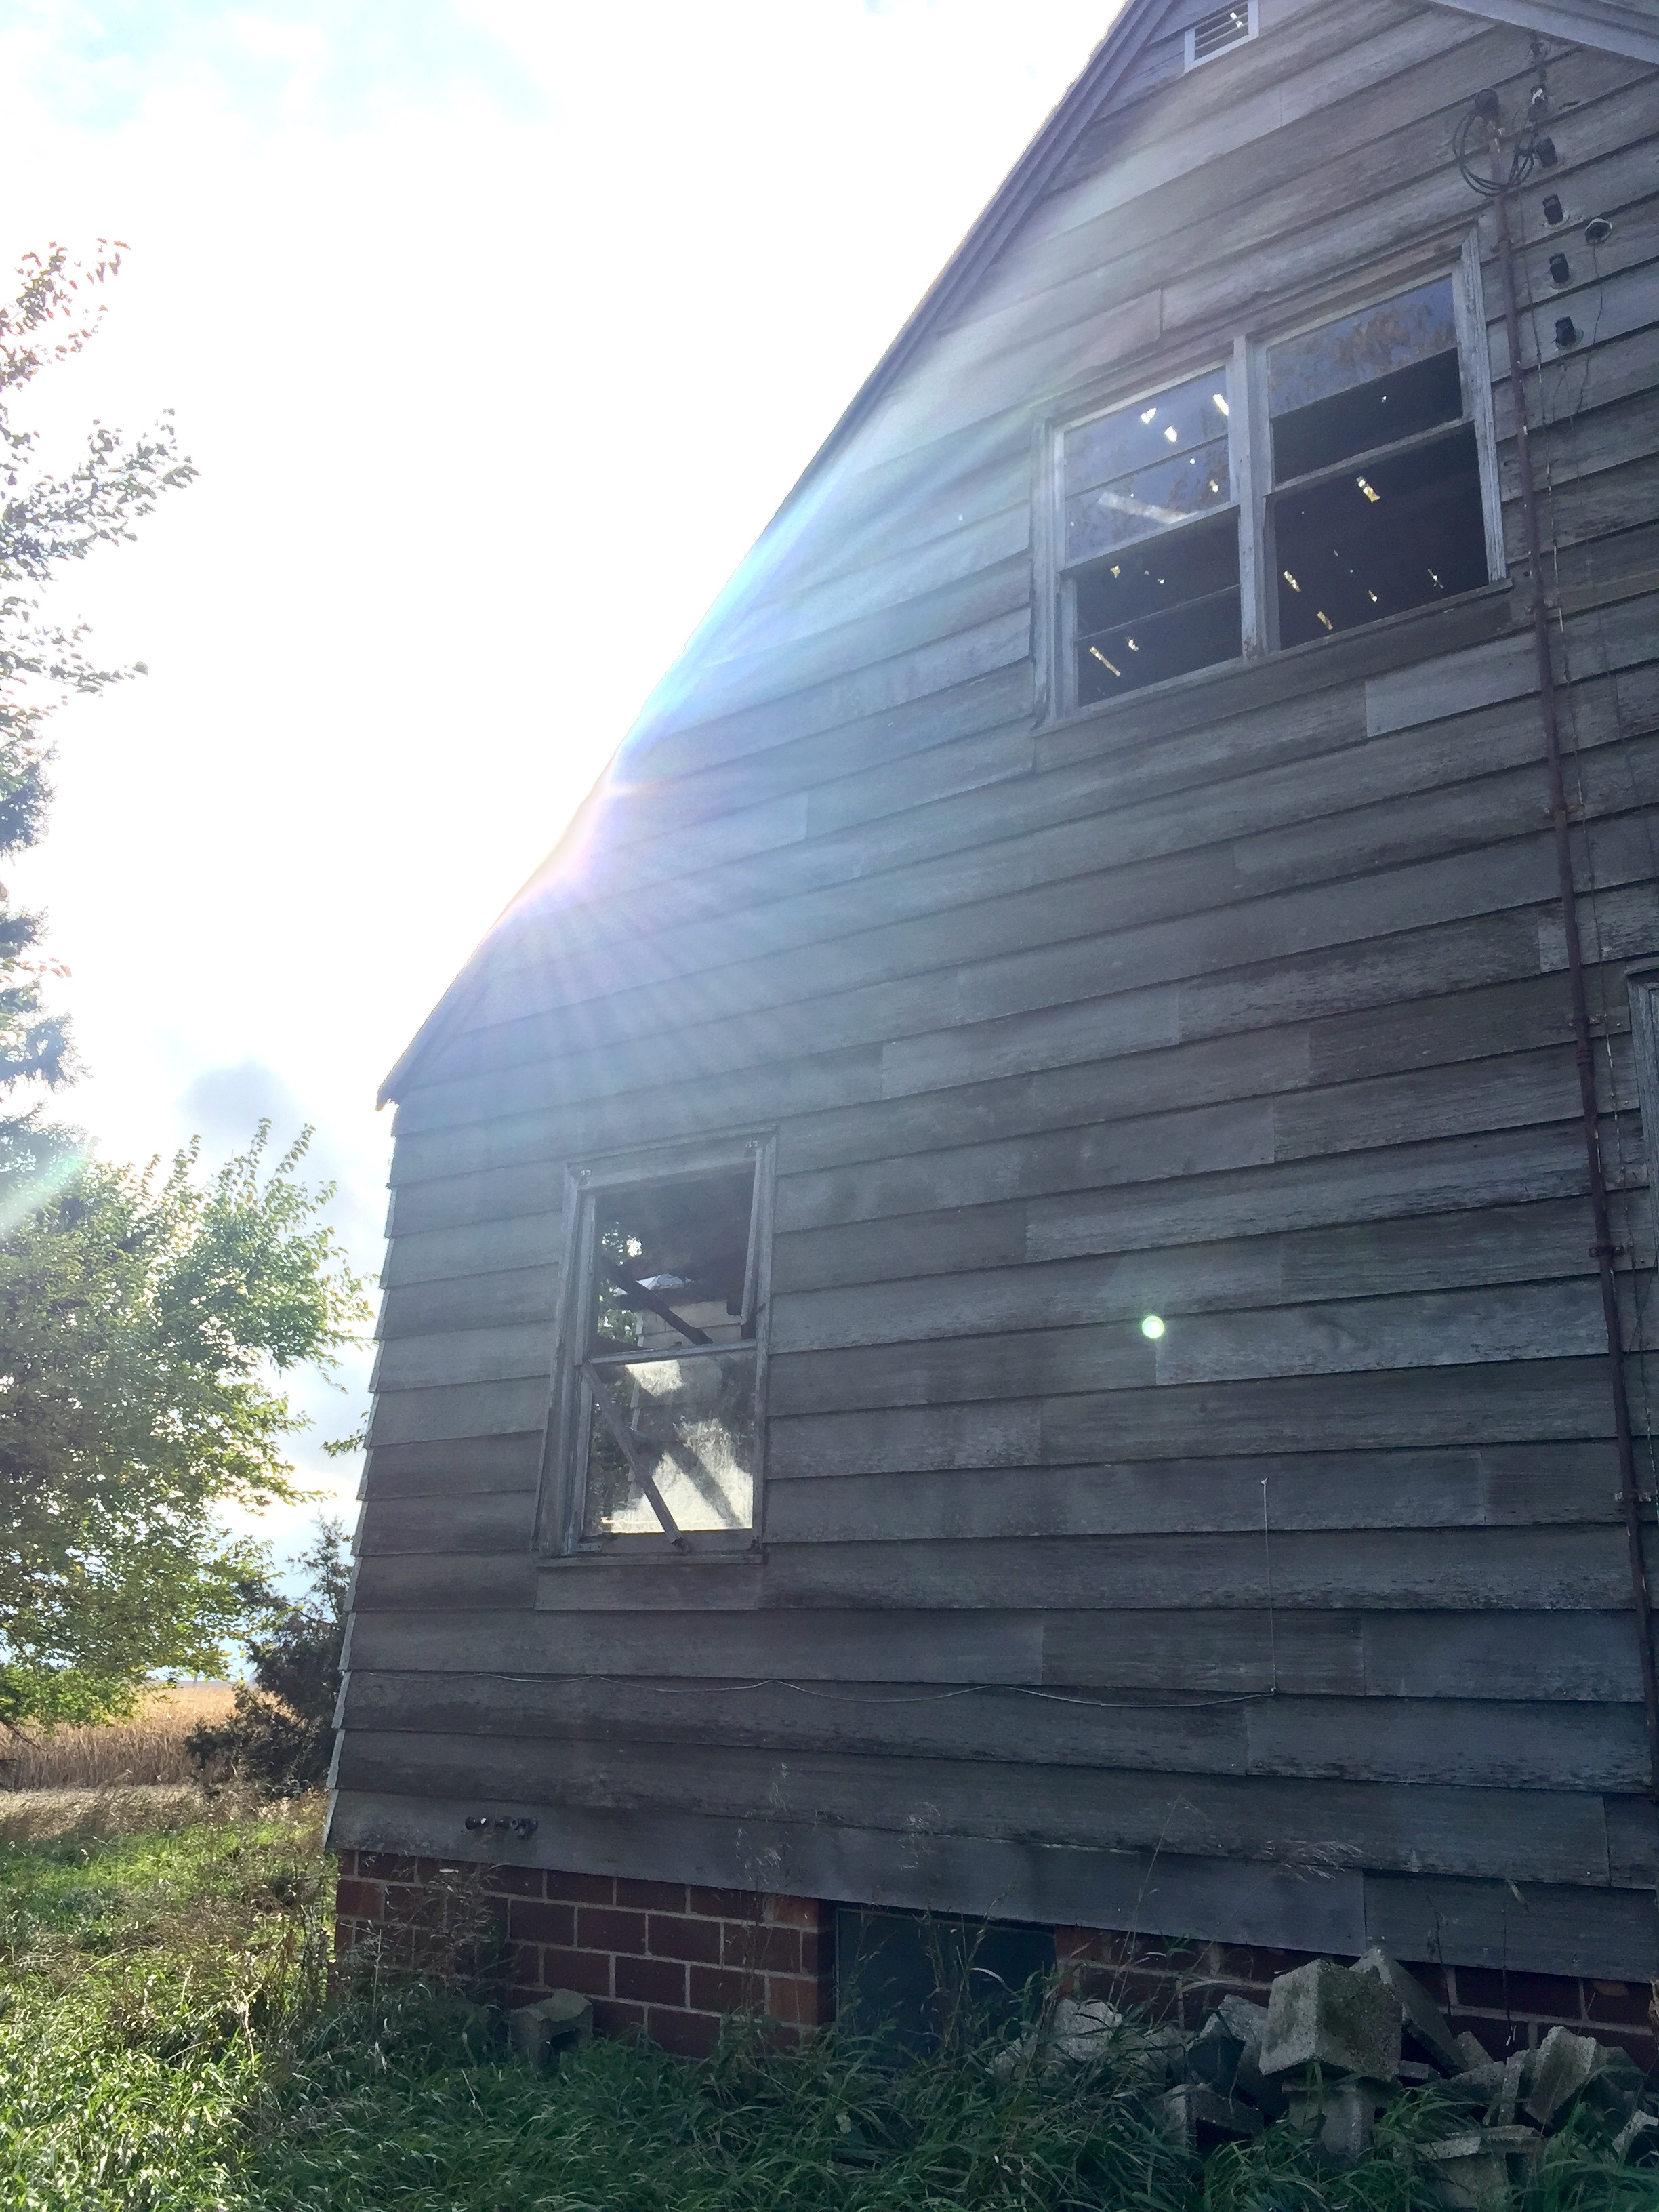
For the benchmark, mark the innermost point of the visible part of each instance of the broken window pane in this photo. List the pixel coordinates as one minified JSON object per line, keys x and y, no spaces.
{"x":1158,"y":611}
{"x":1368,"y":417}
{"x":1174,"y":423}
{"x":681,"y":1428}
{"x":671,"y":1262}
{"x":1160,"y":594}
{"x":1352,"y":378}
{"x":1154,"y":499}
{"x":1401,"y":532}
{"x":667,"y":1441}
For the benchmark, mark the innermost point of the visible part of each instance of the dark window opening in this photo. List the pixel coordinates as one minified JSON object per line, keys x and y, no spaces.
{"x":1158,"y":609}
{"x":1380,"y":413}
{"x":1394,"y":519}
{"x":918,"y":1982}
{"x":1398,"y":533}
{"x":667,"y":1373}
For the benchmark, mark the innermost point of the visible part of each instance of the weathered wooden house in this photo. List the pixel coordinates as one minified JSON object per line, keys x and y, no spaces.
{"x":1020,"y":1281}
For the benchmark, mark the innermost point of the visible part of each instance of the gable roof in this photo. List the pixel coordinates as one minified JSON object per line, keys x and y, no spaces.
{"x":1627,"y":28}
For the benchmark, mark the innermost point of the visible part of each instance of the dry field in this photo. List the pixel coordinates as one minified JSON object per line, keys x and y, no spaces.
{"x":147,"y":1750}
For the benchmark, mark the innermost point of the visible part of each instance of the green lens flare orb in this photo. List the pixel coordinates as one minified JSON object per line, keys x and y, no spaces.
{"x":1152,"y":1326}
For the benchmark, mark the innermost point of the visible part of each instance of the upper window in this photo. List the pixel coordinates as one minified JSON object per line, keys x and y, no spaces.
{"x":657,"y":1411}
{"x":1187,"y":537}
{"x":1377,"y":479}
{"x":1152,"y":539}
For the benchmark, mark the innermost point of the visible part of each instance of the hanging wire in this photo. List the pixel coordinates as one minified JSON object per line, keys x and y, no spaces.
{"x":1481,"y":135}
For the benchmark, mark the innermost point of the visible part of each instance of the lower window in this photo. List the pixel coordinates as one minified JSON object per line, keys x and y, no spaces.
{"x":657,"y":1410}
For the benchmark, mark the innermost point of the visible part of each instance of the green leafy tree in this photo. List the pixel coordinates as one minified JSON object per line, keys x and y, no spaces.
{"x":281,"y":1731}
{"x":47,"y":520}
{"x":145,"y":1323}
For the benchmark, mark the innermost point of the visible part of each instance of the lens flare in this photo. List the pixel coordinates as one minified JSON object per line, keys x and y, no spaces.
{"x":1152,"y":1326}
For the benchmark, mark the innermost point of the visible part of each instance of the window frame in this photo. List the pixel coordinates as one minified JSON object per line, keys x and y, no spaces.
{"x":561,"y":1504}
{"x":1243,"y":353}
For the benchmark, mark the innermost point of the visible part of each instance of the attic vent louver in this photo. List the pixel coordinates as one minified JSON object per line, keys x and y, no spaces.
{"x":1214,"y":34}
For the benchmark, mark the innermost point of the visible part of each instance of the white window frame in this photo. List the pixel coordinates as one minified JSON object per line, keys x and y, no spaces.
{"x":1243,"y":354}
{"x":563,"y":1503}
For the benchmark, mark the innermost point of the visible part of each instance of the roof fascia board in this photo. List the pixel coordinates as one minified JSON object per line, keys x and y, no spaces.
{"x":1615,"y":29}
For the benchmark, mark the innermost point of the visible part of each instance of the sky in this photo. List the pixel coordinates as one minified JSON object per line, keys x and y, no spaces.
{"x":497,"y":330}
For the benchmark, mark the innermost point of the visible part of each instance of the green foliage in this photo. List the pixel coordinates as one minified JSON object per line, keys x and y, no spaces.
{"x":143,"y":1321}
{"x":281,"y":1732}
{"x":47,"y":520}
{"x":171,"y":2044}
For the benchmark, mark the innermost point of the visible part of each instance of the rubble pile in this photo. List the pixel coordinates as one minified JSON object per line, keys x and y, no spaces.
{"x":1331,"y":2048}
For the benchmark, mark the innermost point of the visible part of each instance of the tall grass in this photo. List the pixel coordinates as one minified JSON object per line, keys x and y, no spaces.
{"x":147,"y":1750}
{"x":173,"y":2042}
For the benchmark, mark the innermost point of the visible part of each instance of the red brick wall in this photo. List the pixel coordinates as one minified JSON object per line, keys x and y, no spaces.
{"x":663,"y":1956}
{"x":1507,"y":2012}
{"x":671,"y":1959}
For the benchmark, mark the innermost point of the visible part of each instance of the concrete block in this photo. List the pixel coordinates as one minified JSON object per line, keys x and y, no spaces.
{"x":1213,"y":2058}
{"x":1424,"y":2023}
{"x":1501,"y":2112}
{"x":1328,"y":2016}
{"x":1249,"y":2023}
{"x":553,"y":2024}
{"x":1201,"y":2119}
{"x":1342,"y":2114}
{"x":1566,"y":2067}
{"x":1467,"y":2176}
{"x":1472,"y":2050}
{"x":1083,"y":2030}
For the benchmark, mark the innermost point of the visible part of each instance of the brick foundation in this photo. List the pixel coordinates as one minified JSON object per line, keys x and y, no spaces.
{"x":1507,"y":2012}
{"x":663,"y":1956}
{"x":672,"y":1958}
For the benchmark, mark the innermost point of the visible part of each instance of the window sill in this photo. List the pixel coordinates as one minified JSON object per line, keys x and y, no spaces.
{"x":1418,"y":633}
{"x":737,"y":1548}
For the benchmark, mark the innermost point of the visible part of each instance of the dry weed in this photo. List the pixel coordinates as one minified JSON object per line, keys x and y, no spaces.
{"x":146,"y":1751}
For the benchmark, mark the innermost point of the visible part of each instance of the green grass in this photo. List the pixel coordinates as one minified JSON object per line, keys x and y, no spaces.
{"x":169,"y":2043}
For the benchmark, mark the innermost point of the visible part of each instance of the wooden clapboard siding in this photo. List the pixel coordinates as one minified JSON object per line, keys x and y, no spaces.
{"x":1240,"y":1001}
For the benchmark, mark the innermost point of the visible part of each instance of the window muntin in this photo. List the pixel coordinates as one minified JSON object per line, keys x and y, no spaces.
{"x":1327,"y":479}
{"x":1151,"y":539}
{"x":661,"y":1363}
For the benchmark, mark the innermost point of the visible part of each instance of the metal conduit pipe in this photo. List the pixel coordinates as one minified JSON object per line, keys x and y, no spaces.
{"x":1603,"y":1250}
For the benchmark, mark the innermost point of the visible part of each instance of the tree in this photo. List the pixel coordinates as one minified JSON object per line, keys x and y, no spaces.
{"x":143,"y":1319}
{"x":281,"y":1730}
{"x":46,"y":521}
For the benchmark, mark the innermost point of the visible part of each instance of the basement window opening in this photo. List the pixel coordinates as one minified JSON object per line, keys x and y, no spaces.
{"x":661,"y":1388}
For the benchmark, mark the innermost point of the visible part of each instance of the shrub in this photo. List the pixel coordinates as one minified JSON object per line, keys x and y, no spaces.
{"x":281,"y":1727}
